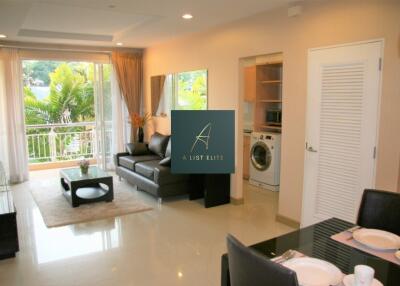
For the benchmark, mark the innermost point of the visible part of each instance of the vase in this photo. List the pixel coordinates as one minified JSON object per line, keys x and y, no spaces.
{"x":140,"y":134}
{"x":84,"y":170}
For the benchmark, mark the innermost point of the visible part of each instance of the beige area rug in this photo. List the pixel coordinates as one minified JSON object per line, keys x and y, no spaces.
{"x":56,"y":211}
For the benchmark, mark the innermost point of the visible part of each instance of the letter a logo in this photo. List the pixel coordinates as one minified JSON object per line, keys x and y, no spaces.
{"x":203,"y":137}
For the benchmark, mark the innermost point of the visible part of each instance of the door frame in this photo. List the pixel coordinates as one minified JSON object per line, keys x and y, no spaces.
{"x":382,"y":44}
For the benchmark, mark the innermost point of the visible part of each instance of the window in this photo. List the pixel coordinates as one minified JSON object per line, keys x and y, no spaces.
{"x":191,"y":90}
{"x":183,"y":91}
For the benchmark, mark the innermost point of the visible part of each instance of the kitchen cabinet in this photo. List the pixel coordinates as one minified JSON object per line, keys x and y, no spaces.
{"x":250,"y":84}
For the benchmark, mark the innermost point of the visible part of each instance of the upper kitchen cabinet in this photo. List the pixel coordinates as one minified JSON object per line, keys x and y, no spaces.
{"x":250,"y":83}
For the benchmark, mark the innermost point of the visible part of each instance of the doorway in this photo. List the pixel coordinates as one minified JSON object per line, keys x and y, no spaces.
{"x":341,"y":133}
{"x":261,"y":82}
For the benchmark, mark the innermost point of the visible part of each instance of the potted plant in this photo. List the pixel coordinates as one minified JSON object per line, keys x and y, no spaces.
{"x":84,"y":165}
{"x":139,"y":122}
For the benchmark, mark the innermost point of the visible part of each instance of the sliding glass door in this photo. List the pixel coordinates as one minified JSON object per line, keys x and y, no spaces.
{"x":104,"y":114}
{"x":68,"y":112}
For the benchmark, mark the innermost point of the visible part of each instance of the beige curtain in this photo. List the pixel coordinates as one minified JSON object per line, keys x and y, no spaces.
{"x":157,"y":86}
{"x":129,"y":70}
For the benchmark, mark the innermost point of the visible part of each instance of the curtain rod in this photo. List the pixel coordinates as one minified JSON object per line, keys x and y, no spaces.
{"x":55,"y":49}
{"x":64,"y":48}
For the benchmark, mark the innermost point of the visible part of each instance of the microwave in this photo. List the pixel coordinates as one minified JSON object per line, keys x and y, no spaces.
{"x":274,"y":117}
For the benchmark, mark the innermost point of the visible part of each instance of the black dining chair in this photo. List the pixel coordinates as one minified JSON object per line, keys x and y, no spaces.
{"x":249,"y":268}
{"x":380,"y":210}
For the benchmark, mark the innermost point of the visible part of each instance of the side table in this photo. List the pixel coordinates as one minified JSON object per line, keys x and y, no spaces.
{"x":8,"y":226}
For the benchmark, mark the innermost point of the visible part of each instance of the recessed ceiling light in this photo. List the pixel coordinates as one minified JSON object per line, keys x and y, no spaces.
{"x":187,"y":16}
{"x":2,"y":36}
{"x":119,"y":44}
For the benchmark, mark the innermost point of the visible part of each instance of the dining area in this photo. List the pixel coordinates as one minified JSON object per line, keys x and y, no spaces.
{"x":333,"y":252}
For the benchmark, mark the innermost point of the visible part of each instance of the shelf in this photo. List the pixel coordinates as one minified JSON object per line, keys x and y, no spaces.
{"x":271,"y":127}
{"x":271,"y":63}
{"x":272,"y":124}
{"x":268,"y":92}
{"x":270,"y":81}
{"x":270,"y":100}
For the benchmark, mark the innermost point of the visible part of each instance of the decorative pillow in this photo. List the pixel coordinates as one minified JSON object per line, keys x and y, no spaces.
{"x":165,"y":162}
{"x":158,"y":144}
{"x":137,"y":148}
{"x":168,"y":150}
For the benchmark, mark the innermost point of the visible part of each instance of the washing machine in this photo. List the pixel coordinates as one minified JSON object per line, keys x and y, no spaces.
{"x":265,"y":155}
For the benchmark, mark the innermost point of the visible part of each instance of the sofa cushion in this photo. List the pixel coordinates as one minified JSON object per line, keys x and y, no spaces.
{"x":158,"y":144}
{"x":146,"y":169}
{"x":137,"y":148}
{"x":161,"y":175}
{"x":129,"y":162}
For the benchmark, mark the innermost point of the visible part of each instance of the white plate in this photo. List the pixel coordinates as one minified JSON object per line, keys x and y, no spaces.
{"x":314,"y":272}
{"x":377,"y":239}
{"x":348,"y":280}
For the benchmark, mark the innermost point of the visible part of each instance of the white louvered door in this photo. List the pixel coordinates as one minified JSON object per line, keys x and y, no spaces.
{"x":341,"y":134}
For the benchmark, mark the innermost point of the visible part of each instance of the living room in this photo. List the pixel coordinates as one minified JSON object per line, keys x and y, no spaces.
{"x":156,"y":230}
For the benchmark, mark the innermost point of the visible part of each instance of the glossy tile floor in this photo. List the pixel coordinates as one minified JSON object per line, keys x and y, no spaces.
{"x":178,"y":243}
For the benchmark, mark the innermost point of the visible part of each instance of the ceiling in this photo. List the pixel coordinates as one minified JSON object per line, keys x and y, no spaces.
{"x":135,"y":23}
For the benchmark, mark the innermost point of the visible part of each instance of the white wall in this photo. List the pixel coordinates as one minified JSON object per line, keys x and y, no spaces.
{"x":322,"y":23}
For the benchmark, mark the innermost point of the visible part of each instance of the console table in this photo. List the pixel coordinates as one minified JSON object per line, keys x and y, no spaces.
{"x":214,"y":188}
{"x":8,"y":220}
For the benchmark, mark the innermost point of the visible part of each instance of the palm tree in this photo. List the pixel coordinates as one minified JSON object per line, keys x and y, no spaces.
{"x":71,"y":99}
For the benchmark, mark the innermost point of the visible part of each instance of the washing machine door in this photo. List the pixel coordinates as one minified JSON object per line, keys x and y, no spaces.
{"x":260,"y":156}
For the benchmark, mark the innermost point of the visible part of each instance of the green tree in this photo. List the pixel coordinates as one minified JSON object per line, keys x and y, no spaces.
{"x":192,"y":90}
{"x":36,"y":111}
{"x":38,"y":70}
{"x":71,"y":99}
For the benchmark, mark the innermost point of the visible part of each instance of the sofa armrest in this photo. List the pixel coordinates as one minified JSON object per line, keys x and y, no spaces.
{"x":156,"y":175}
{"x":117,"y":156}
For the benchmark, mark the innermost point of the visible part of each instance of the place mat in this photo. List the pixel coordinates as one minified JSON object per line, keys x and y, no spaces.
{"x":345,"y":237}
{"x":298,"y":255}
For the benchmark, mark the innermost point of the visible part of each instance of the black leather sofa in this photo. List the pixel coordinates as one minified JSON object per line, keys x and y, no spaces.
{"x":148,"y":167}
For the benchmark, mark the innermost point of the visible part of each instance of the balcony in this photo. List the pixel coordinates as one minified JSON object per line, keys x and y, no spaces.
{"x":60,"y":145}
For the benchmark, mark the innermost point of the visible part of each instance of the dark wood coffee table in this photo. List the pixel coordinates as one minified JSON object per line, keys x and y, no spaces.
{"x":95,"y":186}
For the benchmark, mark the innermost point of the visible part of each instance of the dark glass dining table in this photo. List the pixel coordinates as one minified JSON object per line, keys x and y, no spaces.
{"x":315,"y":241}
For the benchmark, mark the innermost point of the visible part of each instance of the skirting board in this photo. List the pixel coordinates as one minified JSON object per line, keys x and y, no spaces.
{"x":235,"y":201}
{"x":288,"y":221}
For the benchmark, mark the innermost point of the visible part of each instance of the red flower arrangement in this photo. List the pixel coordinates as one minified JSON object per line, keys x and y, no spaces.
{"x":140,"y":121}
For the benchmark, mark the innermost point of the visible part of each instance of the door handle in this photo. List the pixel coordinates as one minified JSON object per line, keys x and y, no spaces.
{"x":310,"y":148}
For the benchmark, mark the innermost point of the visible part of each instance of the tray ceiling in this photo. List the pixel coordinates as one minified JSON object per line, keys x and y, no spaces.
{"x":136,"y":23}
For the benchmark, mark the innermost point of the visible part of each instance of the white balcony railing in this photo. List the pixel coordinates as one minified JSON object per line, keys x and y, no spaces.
{"x":61,"y":142}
